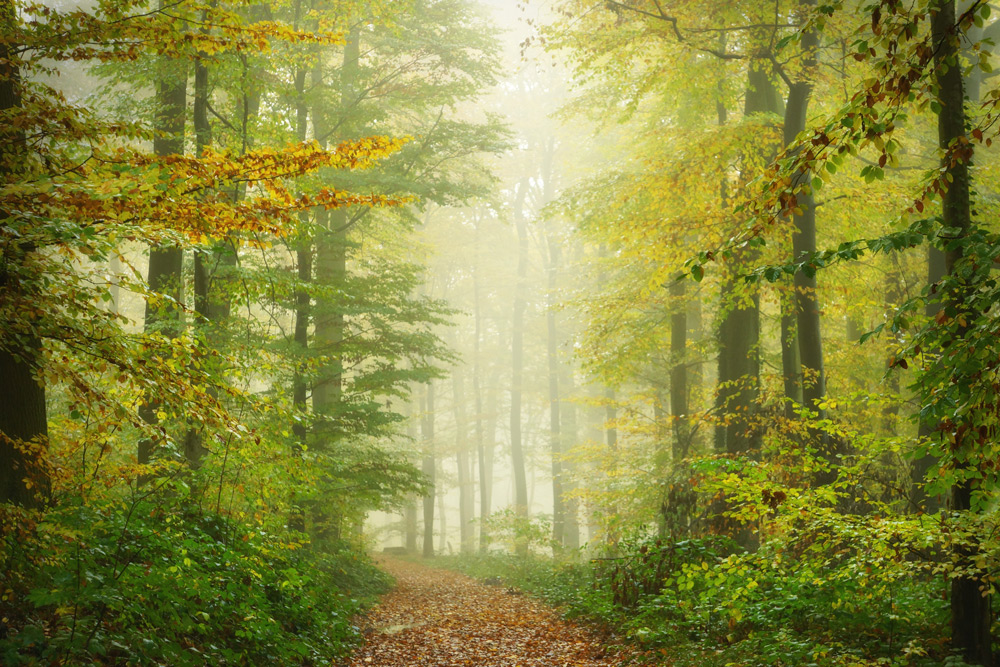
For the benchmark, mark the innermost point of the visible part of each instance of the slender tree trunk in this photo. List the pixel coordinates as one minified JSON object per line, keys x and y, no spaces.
{"x":679,"y":372}
{"x":465,"y":499}
{"x":300,"y":335}
{"x":428,"y":466}
{"x":568,"y":433}
{"x":791,"y":361}
{"x":517,"y":358}
{"x":490,"y":421}
{"x":477,"y":391}
{"x":555,"y":436}
{"x":443,"y":546}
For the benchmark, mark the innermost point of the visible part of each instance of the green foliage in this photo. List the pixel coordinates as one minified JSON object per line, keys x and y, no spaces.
{"x":153,"y":582}
{"x":707,"y":602}
{"x":518,"y":531}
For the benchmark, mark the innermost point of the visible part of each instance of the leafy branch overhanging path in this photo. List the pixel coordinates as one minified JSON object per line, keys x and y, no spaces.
{"x":436,"y":618}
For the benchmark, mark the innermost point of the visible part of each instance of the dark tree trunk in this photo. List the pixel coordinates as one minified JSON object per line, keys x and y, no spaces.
{"x":739,"y":328}
{"x":24,"y":477}
{"x":204,"y":266}
{"x":331,"y":260}
{"x":300,"y":335}
{"x":165,"y":263}
{"x":970,"y":607}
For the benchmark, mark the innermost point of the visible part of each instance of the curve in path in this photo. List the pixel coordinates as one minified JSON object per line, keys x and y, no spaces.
{"x":437,"y":618}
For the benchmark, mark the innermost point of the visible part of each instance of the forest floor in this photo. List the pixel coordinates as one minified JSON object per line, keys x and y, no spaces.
{"x":438,"y":618}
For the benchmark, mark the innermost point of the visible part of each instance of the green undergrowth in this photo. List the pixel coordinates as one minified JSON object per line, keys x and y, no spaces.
{"x":705,"y":602}
{"x":137,"y":583}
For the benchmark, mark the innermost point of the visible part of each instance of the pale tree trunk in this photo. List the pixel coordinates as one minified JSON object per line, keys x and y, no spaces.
{"x":568,"y":433}
{"x":465,"y":490}
{"x":428,"y":465}
{"x":410,"y":512}
{"x":485,"y":483}
{"x":555,"y":425}
{"x":517,"y":357}
{"x":442,"y":520}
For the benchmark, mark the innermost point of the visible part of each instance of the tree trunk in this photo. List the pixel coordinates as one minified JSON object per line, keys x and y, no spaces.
{"x":970,"y":608}
{"x":24,"y":477}
{"x":300,"y":335}
{"x":555,"y":437}
{"x":477,"y":390}
{"x":568,"y":432}
{"x":517,"y":358}
{"x":679,"y":372}
{"x":209,"y":314}
{"x":428,"y":466}
{"x":791,"y":361}
{"x":331,"y":261}
{"x":465,"y":490}
{"x":804,"y":237}
{"x":165,"y":263}
{"x":739,"y":329}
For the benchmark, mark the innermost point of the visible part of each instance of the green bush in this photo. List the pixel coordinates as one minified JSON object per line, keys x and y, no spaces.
{"x":142,"y":584}
{"x":707,"y":602}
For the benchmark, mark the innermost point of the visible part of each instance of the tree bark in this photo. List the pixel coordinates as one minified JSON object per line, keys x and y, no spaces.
{"x":970,"y":607}
{"x":165,"y":263}
{"x":485,"y":484}
{"x":568,"y":433}
{"x":465,"y":490}
{"x":679,"y":372}
{"x":331,"y":264}
{"x":555,"y":434}
{"x":517,"y":357}
{"x":24,"y":477}
{"x":739,"y":329}
{"x":428,"y":465}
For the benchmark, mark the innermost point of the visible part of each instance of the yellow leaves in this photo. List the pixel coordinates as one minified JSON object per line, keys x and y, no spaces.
{"x":128,"y":31}
{"x":187,"y":194}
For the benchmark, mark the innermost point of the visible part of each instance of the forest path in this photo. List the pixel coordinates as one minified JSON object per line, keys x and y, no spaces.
{"x":438,"y":618}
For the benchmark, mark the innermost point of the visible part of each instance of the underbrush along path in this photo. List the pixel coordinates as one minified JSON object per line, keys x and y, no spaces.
{"x":437,"y":618}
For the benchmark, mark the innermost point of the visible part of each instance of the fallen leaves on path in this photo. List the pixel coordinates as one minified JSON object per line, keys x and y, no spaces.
{"x":437,"y":618}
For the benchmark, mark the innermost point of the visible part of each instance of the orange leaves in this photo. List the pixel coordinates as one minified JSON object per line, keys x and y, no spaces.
{"x":268,"y":164}
{"x":437,"y":618}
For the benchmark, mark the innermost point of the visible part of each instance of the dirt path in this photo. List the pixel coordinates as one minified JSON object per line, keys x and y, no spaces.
{"x":436,"y":618}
